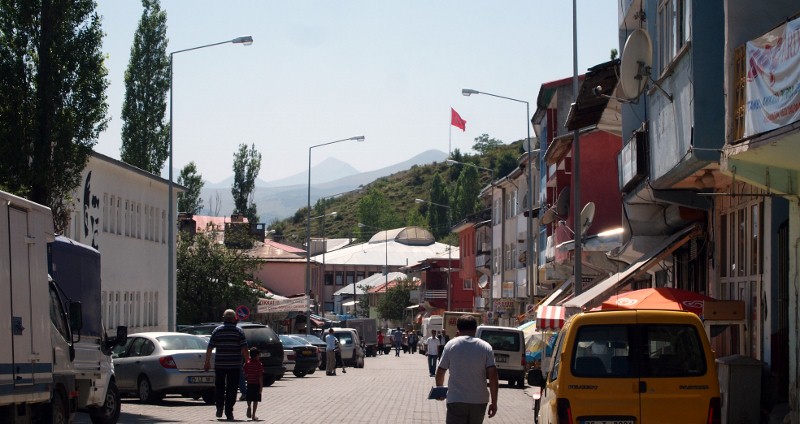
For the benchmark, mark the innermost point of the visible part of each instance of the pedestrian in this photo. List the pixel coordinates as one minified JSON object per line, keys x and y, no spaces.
{"x":470,"y":361}
{"x":432,"y":352}
{"x":412,"y":341}
{"x":405,"y":342}
{"x":254,"y":373}
{"x":397,"y":335}
{"x":330,"y":353}
{"x":339,"y":361}
{"x":231,"y":347}
{"x":380,"y":342}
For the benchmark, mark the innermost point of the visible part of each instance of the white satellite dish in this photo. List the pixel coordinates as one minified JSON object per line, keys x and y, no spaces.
{"x":548,"y":217}
{"x":637,"y":58}
{"x":587,"y":216}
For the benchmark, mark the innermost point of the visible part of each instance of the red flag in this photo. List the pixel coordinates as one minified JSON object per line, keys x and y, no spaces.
{"x":456,"y":121}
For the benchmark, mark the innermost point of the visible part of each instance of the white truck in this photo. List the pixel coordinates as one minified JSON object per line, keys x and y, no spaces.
{"x":41,"y":379}
{"x":433,"y":322}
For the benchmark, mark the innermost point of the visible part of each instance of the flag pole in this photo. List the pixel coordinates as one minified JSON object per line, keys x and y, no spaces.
{"x":450,"y":137}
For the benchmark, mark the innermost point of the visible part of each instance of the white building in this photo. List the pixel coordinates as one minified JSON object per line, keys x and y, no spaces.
{"x":121,"y":211}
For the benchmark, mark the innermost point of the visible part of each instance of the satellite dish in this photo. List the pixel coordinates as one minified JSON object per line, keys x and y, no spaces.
{"x":587,"y":216}
{"x":548,"y":217}
{"x":637,"y":58}
{"x":562,"y":204}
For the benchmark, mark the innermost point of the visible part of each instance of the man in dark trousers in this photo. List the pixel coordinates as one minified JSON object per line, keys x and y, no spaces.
{"x":231,"y":347}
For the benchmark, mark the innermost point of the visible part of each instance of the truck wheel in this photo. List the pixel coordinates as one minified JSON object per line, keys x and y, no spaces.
{"x":299,"y":374}
{"x":109,"y":412}
{"x":146,"y":392}
{"x":58,"y":409}
{"x":521,"y":382}
{"x":269,"y":380}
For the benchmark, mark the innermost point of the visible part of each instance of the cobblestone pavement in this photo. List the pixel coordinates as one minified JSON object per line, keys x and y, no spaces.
{"x":387,"y":390}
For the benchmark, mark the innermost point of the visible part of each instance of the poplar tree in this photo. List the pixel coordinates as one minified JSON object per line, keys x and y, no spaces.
{"x":246,"y":166}
{"x":145,"y":133}
{"x":190,"y":201}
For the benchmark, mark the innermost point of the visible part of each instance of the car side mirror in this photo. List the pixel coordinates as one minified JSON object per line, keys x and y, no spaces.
{"x":536,"y":378}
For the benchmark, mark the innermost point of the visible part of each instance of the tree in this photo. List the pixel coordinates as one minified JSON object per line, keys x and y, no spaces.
{"x":145,"y":134}
{"x":211,"y":278}
{"x":465,"y":197}
{"x":484,"y":144}
{"x":375,"y":212}
{"x":392,"y":305}
{"x":190,"y":201}
{"x":52,"y":98}
{"x":438,"y":223}
{"x":246,"y":166}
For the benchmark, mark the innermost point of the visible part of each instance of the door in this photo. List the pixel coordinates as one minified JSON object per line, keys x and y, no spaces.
{"x":21,"y":315}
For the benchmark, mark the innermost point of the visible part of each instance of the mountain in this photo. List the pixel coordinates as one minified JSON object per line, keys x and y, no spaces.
{"x":282,"y":198}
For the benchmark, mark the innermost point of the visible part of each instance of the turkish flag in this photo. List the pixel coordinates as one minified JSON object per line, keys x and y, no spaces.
{"x":456,"y":121}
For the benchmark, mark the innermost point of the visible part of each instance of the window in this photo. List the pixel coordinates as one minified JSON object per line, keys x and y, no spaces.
{"x":163,"y":227}
{"x":467,"y":284}
{"x":351,"y":277}
{"x":328,"y":278}
{"x":673,"y":29}
{"x":339,"y":278}
{"x":497,"y":212}
{"x":105,"y":212}
{"x":112,"y":228}
{"x":119,"y":216}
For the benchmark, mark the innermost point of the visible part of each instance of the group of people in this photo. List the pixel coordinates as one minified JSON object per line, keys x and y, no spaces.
{"x":400,"y":340}
{"x":469,"y":360}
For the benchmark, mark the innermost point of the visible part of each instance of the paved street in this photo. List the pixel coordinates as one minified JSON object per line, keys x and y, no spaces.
{"x":386,"y":390}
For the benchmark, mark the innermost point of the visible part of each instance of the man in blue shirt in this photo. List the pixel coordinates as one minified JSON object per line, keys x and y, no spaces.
{"x":231,"y":347}
{"x":330,"y":353}
{"x":397,"y":335}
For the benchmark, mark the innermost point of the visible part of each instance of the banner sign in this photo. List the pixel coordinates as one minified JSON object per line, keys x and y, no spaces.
{"x":269,"y":306}
{"x":772,"y":88}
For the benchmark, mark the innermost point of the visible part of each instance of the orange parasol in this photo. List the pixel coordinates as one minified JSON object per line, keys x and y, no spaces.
{"x":658,"y":298}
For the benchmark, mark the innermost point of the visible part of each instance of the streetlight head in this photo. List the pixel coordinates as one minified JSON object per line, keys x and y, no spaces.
{"x":332,"y":213}
{"x":360,"y":225}
{"x":246,"y":40}
{"x":468,"y":91}
{"x":357,"y":138}
{"x":452,"y":162}
{"x":419,"y":201}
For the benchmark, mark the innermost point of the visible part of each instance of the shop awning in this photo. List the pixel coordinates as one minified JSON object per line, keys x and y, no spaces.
{"x":602,"y":290}
{"x":550,"y":317}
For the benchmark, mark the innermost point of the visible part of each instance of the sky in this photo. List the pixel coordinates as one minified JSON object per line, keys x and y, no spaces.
{"x":321,"y":71}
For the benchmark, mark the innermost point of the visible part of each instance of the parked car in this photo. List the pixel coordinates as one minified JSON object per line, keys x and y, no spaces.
{"x":305,"y":356}
{"x":257,"y":335}
{"x":508,"y":344}
{"x":352,"y":353}
{"x":153,"y":364}
{"x":314,"y":341}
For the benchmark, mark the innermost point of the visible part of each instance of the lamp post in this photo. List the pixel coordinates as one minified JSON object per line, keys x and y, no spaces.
{"x":576,"y":163}
{"x":449,"y":249}
{"x":529,"y":206}
{"x":245,"y":40}
{"x":308,"y":227}
{"x":491,"y":262}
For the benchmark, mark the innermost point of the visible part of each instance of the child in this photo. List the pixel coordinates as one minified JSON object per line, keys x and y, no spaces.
{"x":253,"y":371}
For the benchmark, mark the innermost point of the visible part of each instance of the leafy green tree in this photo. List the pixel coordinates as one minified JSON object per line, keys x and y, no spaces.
{"x":392,"y":305}
{"x":484,"y":144}
{"x":438,"y":223}
{"x":506,"y":163}
{"x":52,"y":98}
{"x":211,"y":278}
{"x":246,"y":166}
{"x":375,"y":212}
{"x":362,"y":308}
{"x":465,"y":195}
{"x":190,"y":201}
{"x":145,"y":134}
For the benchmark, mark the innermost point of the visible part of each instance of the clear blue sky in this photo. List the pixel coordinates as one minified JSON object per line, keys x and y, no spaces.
{"x":320,"y":71}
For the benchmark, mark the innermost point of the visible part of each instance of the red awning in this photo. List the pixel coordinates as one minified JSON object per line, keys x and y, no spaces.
{"x":550,"y":317}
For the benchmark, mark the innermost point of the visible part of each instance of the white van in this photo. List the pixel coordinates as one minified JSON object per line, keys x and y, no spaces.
{"x":508,"y":344}
{"x":352,"y":353}
{"x":433,"y":322}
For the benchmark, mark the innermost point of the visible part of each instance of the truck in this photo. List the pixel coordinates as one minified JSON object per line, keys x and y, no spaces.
{"x":368,"y":331}
{"x":449,"y":319}
{"x":41,"y":377}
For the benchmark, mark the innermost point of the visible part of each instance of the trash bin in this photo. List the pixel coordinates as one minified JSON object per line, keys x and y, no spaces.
{"x":740,"y":386}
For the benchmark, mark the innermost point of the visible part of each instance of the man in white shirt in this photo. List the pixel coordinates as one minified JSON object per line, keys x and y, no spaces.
{"x":470,"y":361}
{"x":432,"y":344}
{"x":330,"y":353}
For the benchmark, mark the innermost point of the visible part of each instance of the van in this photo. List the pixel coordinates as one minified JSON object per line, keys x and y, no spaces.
{"x":433,"y":322}
{"x":508,"y":344}
{"x":352,"y":352}
{"x":626,"y":367}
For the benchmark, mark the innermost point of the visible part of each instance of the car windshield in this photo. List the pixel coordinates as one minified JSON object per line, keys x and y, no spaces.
{"x":311,"y":339}
{"x":259,"y":335}
{"x":290,"y":341}
{"x":182,"y":342}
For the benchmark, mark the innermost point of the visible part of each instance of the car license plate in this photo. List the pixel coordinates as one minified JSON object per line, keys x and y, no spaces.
{"x":265,"y":354}
{"x":308,"y":353}
{"x":501,"y":358}
{"x":197,"y":380}
{"x":607,"y":422}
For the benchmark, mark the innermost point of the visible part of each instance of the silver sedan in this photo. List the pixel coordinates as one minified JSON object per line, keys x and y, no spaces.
{"x":153,"y":364}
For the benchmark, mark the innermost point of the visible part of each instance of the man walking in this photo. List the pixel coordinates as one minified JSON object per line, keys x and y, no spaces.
{"x":470,"y":361}
{"x":330,"y":353}
{"x":432,"y":352}
{"x":397,"y":335}
{"x":231,"y":347}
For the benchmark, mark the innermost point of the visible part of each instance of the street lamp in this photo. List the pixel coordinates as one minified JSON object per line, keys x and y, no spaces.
{"x":308,"y":227}
{"x":449,"y":249}
{"x":491,"y":262}
{"x":246,"y":40}
{"x":324,"y":249}
{"x":529,"y":206}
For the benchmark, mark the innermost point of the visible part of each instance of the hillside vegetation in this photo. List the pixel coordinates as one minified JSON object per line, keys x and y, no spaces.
{"x":389,"y":202}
